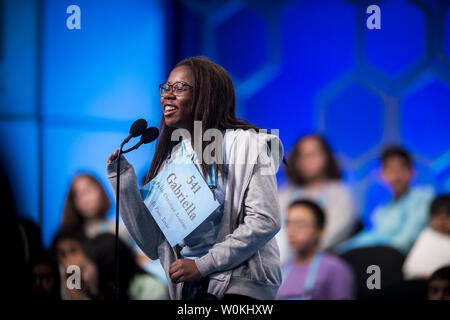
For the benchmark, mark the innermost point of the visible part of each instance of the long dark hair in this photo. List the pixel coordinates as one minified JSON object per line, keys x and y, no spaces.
{"x":331,"y":169}
{"x":213,"y":104}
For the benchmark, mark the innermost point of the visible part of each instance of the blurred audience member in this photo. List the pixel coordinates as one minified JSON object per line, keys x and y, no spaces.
{"x":439,"y":284}
{"x":312,"y":274}
{"x":68,"y":249}
{"x":431,"y":251}
{"x":134,"y":282}
{"x":86,"y":209}
{"x":95,"y":258}
{"x":398,"y":223}
{"x":44,"y":274}
{"x":313,"y":173}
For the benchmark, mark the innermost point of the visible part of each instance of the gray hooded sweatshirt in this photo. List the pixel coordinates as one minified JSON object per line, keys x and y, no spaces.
{"x":245,"y":259}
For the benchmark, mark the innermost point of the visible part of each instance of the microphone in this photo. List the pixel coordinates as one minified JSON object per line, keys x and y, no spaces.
{"x":137,"y":128}
{"x":149,"y":135}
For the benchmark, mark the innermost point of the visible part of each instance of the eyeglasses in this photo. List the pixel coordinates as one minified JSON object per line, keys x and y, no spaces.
{"x":177,"y":88}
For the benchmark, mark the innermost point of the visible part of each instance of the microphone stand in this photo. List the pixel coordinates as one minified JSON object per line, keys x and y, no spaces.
{"x":116,"y":254}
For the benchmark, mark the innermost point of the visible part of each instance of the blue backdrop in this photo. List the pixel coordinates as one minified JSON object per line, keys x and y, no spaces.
{"x":72,"y":94}
{"x":314,"y":67}
{"x":69,"y":96}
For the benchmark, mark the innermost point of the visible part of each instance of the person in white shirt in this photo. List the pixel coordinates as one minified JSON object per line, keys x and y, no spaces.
{"x":431,"y":250}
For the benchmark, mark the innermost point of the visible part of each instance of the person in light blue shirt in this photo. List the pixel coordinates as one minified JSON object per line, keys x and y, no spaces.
{"x":398,"y":223}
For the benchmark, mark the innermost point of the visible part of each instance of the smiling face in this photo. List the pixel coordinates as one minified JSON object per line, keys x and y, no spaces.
{"x":178,"y":109}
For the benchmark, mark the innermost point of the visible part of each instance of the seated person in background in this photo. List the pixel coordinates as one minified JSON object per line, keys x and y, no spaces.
{"x":313,"y":173}
{"x":134,"y":282}
{"x":86,"y":209}
{"x":398,"y":223}
{"x":312,"y":274}
{"x":439,"y":284}
{"x":44,"y":278}
{"x":95,"y":258}
{"x":68,"y":250}
{"x":431,"y":251}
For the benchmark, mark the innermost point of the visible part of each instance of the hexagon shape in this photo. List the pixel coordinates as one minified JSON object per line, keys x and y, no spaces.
{"x":308,"y":64}
{"x":313,"y":45}
{"x":278,"y":105}
{"x":234,"y":37}
{"x":353,"y":120}
{"x":400,"y":43}
{"x":424,"y":119}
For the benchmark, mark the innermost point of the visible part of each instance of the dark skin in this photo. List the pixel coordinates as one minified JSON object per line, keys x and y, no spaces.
{"x":181,"y":117}
{"x":439,"y":289}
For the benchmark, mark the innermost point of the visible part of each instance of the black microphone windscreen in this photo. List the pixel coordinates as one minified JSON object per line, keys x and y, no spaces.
{"x":150,"y":134}
{"x":138,"y":127}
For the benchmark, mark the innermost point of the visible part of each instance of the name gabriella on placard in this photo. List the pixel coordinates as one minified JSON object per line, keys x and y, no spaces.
{"x":182,"y":196}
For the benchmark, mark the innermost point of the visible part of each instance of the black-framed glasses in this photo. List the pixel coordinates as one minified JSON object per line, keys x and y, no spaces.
{"x":177,"y":88}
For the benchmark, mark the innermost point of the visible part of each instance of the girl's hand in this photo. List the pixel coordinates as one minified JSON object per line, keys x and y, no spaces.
{"x":113,"y":156}
{"x":183,"y":270}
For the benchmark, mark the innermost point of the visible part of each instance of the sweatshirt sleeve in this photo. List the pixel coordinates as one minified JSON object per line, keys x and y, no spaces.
{"x":261,"y":222}
{"x":134,"y":213}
